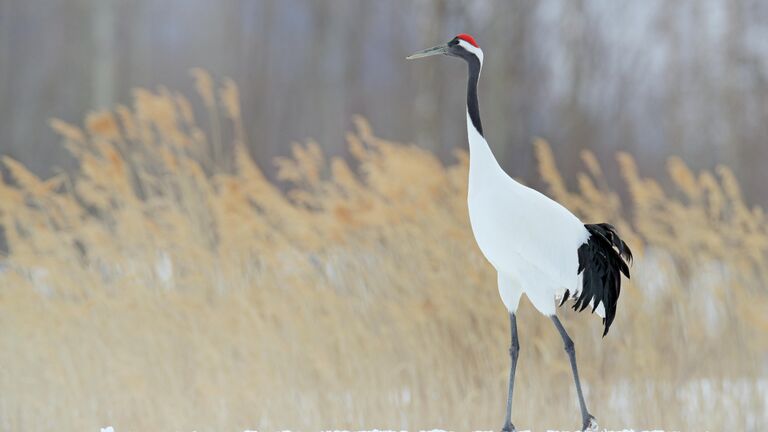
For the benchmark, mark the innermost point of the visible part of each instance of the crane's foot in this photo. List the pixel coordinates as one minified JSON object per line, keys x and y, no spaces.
{"x":590,"y":424}
{"x":509,"y":427}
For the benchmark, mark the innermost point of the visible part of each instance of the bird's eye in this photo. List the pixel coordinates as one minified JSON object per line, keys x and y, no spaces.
{"x":454,"y":41}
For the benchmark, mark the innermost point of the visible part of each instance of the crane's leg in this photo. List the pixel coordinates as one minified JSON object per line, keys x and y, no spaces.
{"x":514,"y":349}
{"x":589,"y":422}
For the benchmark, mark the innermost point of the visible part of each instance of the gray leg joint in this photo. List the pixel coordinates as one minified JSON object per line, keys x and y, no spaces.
{"x":514,"y":350}
{"x":570,"y":348}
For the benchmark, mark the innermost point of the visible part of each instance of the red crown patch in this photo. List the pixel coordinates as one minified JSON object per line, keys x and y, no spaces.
{"x":468,"y":38}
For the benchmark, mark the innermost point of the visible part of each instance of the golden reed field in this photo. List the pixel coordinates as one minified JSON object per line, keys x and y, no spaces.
{"x":166,"y":284}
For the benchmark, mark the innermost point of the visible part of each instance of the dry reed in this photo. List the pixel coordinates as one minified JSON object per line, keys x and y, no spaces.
{"x":166,"y":284}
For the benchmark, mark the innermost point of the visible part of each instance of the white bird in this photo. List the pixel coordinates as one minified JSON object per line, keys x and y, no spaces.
{"x":537,"y":246}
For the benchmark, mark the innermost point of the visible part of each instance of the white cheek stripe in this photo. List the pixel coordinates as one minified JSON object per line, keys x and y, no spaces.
{"x":473,"y":49}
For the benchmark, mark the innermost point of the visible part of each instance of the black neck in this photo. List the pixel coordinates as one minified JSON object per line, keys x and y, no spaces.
{"x":472,"y":106}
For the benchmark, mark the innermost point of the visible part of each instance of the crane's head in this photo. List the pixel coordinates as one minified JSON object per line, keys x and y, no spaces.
{"x":463,"y":46}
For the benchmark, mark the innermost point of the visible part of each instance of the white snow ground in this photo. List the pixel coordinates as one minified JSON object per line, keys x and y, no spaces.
{"x":111,"y":429}
{"x":699,"y":395}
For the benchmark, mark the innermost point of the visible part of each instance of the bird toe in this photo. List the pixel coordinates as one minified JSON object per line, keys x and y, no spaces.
{"x":590,"y":424}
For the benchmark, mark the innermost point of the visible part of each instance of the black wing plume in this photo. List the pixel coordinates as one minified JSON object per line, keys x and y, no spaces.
{"x":602,"y":259}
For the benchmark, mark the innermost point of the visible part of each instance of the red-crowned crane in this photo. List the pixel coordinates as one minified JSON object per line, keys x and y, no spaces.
{"x":537,"y":246}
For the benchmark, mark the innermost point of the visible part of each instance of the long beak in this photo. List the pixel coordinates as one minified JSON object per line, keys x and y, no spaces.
{"x":441,"y":49}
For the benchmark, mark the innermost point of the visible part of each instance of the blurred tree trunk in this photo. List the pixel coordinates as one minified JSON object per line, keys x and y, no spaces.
{"x":5,"y":74}
{"x":102,"y":18}
{"x":428,"y":102}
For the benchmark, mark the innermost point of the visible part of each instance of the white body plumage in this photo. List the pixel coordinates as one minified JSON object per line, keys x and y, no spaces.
{"x":531,"y":240}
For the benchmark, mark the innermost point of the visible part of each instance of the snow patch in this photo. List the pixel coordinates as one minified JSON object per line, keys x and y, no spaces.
{"x":111,"y":429}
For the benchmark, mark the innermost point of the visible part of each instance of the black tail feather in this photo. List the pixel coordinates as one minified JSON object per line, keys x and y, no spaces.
{"x":603,"y":258}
